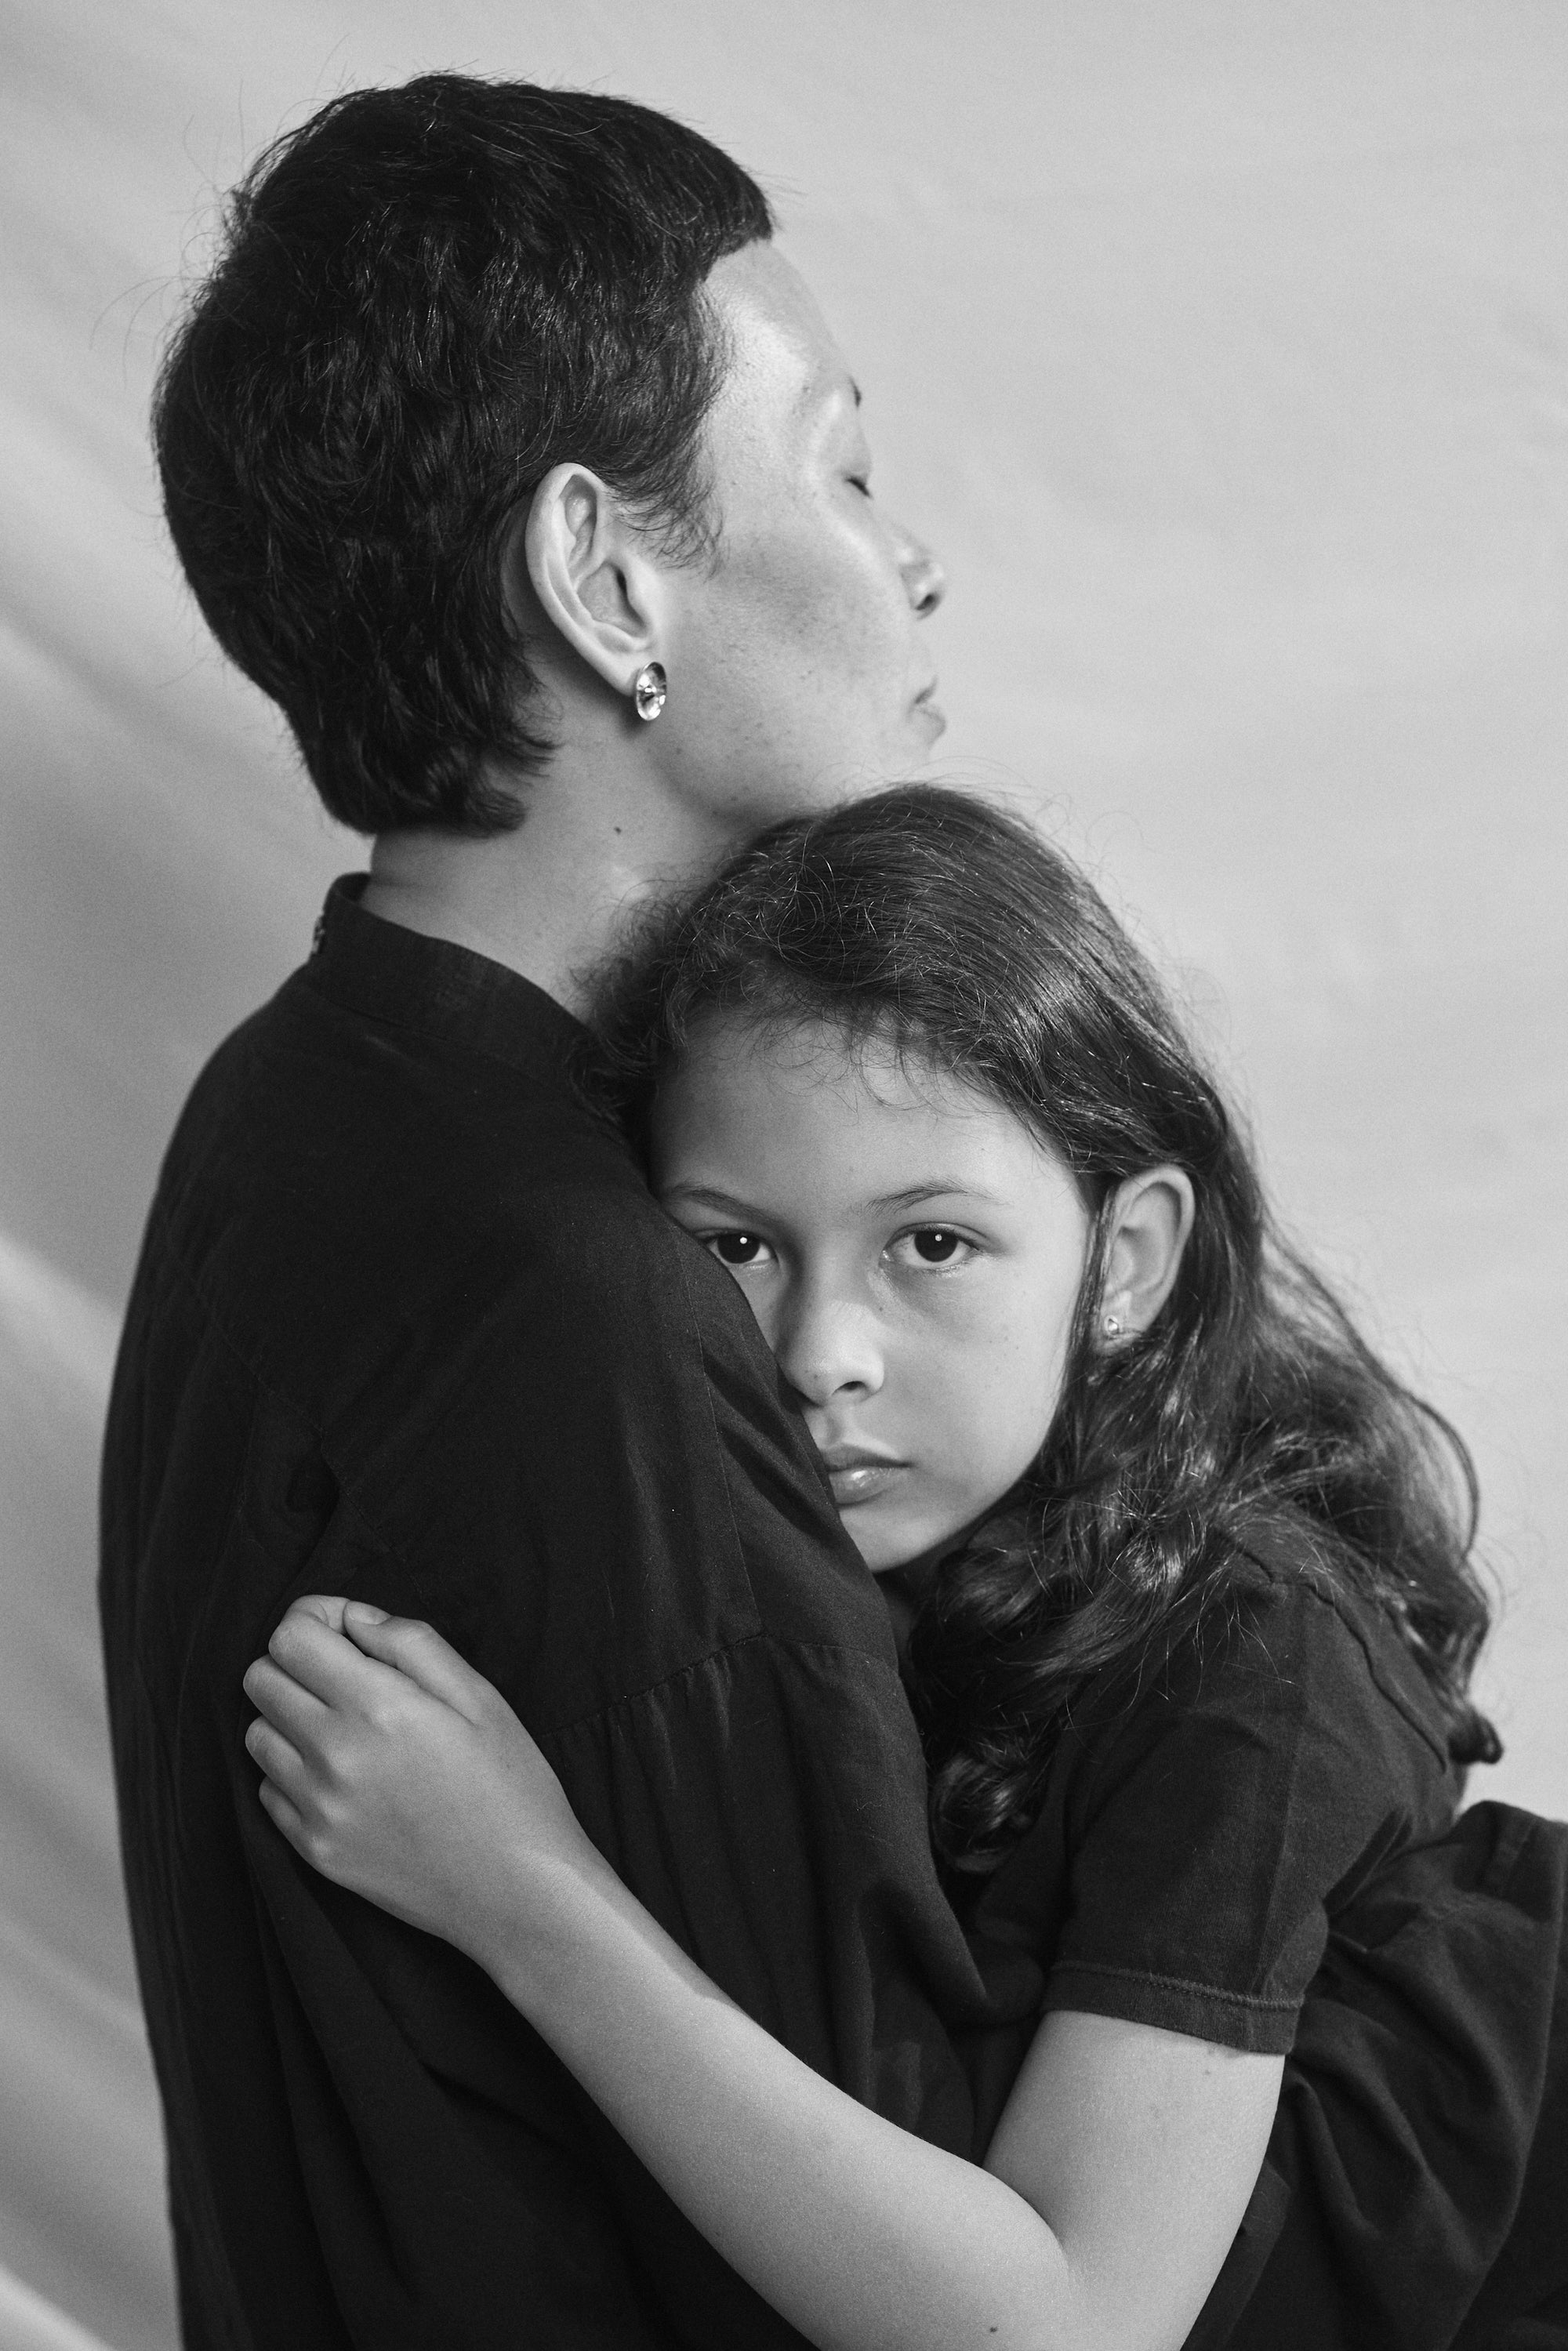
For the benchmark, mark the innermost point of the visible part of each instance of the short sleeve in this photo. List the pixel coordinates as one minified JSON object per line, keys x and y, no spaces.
{"x":1212,"y":1826}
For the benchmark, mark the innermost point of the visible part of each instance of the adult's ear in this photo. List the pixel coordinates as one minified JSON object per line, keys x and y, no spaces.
{"x":1151,"y":1224}
{"x":576,"y":555}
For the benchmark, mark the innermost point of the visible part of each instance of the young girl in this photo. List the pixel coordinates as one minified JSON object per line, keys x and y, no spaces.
{"x":1182,"y":1576}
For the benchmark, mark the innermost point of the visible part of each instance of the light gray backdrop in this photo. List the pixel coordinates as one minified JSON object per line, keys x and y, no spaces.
{"x":1220,"y":351}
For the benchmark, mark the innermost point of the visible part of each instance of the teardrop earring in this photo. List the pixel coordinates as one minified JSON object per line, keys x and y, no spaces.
{"x":648,"y":689}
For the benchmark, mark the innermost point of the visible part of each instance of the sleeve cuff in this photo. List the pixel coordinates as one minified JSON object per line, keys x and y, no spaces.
{"x":1232,"y":2020}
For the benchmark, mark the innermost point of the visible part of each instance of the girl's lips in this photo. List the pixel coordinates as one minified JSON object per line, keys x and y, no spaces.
{"x":861,"y":1479}
{"x":853,"y":1486}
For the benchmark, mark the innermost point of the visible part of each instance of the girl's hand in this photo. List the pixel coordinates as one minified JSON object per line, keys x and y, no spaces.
{"x":397,"y":1770}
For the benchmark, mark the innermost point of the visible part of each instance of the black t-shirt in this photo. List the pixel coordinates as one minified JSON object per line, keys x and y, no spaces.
{"x":408,"y":1325}
{"x":1256,"y":1844}
{"x":1202,"y":1827}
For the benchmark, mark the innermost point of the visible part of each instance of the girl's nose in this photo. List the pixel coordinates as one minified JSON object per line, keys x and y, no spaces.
{"x":828,"y":1348}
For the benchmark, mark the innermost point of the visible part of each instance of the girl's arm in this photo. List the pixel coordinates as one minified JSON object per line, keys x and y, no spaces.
{"x":1118,"y":2174}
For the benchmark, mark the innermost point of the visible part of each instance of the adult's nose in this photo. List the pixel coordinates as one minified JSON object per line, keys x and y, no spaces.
{"x":925,"y":581}
{"x":827,"y":1346}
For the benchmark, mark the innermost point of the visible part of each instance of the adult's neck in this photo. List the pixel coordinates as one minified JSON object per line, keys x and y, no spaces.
{"x":549,"y":899}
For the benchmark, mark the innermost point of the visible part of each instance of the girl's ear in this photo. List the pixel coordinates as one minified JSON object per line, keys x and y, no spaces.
{"x":574,"y":555}
{"x":1151,"y":1222}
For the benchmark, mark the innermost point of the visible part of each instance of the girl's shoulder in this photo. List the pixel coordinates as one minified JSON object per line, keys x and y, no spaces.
{"x":1204,"y":1818}
{"x":1290,"y":1616}
{"x":1278,"y":1669}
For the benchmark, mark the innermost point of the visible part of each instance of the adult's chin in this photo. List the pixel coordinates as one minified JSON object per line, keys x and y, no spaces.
{"x":931,"y":721}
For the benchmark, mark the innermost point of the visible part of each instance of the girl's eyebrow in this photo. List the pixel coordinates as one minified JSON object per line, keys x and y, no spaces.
{"x":942,"y":1188}
{"x":701,"y":1197}
{"x":704,"y":1196}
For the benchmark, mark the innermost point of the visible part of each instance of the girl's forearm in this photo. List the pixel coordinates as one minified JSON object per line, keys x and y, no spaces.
{"x":863,"y":2236}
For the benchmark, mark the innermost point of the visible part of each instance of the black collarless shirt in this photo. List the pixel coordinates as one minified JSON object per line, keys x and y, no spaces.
{"x":407,"y":1325}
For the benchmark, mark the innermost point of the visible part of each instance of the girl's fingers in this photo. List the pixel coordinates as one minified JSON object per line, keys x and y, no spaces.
{"x":287,"y":1706}
{"x":324,"y":1663}
{"x":325,"y":1606}
{"x":284,"y":1768}
{"x":282,"y":1813}
{"x":418,"y":1651}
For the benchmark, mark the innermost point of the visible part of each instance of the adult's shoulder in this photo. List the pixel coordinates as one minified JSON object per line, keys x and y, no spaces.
{"x":451,"y":1269}
{"x":387,"y":1180}
{"x":340,"y":1145}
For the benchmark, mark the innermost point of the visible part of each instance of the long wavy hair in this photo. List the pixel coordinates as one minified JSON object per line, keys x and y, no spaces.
{"x":924,"y":917}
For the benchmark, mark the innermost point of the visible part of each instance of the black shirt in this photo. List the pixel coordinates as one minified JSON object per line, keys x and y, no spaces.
{"x":407,"y":1325}
{"x":1205,"y":1822}
{"x":1199,"y":1833}
{"x":1256,"y":1843}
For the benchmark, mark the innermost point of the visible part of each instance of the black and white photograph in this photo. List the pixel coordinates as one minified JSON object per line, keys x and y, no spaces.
{"x":783,"y":1250}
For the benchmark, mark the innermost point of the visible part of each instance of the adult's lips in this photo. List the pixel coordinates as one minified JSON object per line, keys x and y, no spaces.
{"x":930,"y":709}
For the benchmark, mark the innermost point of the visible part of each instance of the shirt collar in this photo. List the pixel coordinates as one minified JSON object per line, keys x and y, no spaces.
{"x":387,"y":972}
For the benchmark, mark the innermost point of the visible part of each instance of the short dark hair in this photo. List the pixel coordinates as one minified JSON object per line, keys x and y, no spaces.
{"x":426,"y":298}
{"x":922,"y":917}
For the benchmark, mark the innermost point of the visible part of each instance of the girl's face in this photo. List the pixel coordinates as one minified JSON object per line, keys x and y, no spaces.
{"x":913,"y":1254}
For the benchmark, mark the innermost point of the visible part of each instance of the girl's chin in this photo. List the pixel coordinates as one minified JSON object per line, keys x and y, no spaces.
{"x":913,"y":1562}
{"x":912,"y":1554}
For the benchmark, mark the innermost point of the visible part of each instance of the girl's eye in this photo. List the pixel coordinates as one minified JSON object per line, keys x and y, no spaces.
{"x":936,"y":1245}
{"x":738,"y":1248}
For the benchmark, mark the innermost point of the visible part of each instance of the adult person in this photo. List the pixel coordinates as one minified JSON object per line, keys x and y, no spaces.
{"x":502,"y":450}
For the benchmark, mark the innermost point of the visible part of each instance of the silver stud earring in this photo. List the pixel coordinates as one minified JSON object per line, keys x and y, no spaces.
{"x":649,"y":688}
{"x":1111,"y":1327}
